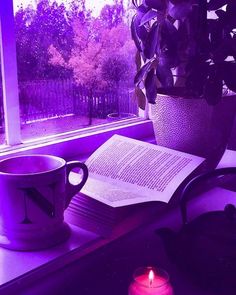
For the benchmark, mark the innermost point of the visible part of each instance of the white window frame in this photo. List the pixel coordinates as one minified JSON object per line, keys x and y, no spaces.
{"x":9,"y":74}
{"x":66,"y":145}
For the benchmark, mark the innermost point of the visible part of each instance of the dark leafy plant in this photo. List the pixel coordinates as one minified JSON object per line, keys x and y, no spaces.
{"x":185,"y":43}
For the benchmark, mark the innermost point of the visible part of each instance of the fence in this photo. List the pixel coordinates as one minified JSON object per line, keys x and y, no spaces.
{"x":45,"y":99}
{"x":100,"y":104}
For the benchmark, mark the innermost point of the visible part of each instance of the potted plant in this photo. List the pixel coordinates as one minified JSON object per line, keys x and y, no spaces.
{"x":186,"y":63}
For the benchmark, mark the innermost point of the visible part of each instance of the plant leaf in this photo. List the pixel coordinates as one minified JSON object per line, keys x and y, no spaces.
{"x":141,"y":74}
{"x":151,"y":42}
{"x":213,"y":86}
{"x":216,"y":4}
{"x":229,"y":75}
{"x":180,"y":10}
{"x":151,"y":86}
{"x":196,"y":75}
{"x":168,"y":44}
{"x":135,"y":35}
{"x":140,"y":30}
{"x":141,"y":98}
{"x":142,"y":33}
{"x":231,"y":14}
{"x":135,"y":3}
{"x":176,"y":1}
{"x":138,"y":60}
{"x":213,"y":91}
{"x":164,"y":75}
{"x":183,"y":33}
{"x":142,"y":8}
{"x":169,"y":34}
{"x":169,"y":59}
{"x":227,"y":47}
{"x":230,"y":8}
{"x":148,"y":16}
{"x":220,"y":13}
{"x":156,"y":4}
{"x":159,"y":16}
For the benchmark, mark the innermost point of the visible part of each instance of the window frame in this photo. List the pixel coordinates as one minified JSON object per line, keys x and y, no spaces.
{"x":9,"y":74}
{"x":59,"y":144}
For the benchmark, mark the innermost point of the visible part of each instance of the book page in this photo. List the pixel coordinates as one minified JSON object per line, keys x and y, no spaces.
{"x":125,"y":171}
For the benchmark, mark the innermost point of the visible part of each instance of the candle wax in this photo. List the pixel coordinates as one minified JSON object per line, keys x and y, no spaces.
{"x":143,"y":286}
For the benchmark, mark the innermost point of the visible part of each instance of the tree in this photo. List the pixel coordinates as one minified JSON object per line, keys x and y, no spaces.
{"x":36,"y":30}
{"x":25,"y":58}
{"x":102,"y":53}
{"x":112,"y":15}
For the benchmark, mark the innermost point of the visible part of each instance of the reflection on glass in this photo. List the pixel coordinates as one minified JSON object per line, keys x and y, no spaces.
{"x":75,"y":64}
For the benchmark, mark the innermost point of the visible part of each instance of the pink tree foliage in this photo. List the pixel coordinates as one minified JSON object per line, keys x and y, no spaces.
{"x":56,"y":57}
{"x":102,"y":55}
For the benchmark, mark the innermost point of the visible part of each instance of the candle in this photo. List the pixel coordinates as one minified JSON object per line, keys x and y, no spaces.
{"x":150,"y":281}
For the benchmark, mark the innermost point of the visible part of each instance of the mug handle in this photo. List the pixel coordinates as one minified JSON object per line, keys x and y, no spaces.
{"x":71,"y":189}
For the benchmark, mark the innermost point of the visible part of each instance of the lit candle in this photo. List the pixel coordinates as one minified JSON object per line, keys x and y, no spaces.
{"x":150,"y":281}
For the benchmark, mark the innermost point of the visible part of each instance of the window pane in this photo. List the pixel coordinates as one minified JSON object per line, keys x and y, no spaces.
{"x":75,"y":64}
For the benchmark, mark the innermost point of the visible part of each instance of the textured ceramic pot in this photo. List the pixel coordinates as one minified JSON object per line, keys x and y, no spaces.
{"x":193,"y":126}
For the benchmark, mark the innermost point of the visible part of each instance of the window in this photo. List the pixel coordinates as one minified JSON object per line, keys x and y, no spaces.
{"x":75,"y":63}
{"x":2,"y":129}
{"x":9,"y":77}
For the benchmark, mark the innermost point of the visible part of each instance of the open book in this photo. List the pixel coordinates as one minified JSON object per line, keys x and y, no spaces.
{"x":126,"y":171}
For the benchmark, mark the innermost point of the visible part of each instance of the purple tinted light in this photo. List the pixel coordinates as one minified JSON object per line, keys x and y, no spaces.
{"x":74,"y":67}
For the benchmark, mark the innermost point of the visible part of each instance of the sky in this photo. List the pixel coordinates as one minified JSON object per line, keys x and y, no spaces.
{"x":94,"y":5}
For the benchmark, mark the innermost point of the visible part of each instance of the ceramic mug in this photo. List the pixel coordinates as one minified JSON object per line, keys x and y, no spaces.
{"x":34,"y":192}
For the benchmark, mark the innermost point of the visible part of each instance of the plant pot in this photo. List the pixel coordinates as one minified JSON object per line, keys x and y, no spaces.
{"x":193,"y":126}
{"x":120,"y":116}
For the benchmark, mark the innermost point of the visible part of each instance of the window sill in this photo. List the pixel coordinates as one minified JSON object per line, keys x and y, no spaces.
{"x":79,"y":144}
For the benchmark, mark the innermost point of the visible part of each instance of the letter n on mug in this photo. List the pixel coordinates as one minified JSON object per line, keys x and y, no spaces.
{"x":39,"y":198}
{"x":35,"y":191}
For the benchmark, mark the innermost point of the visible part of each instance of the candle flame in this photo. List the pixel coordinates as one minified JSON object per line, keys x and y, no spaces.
{"x":151,"y":277}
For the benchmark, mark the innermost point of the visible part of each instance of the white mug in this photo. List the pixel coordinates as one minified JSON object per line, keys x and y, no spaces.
{"x":34,"y":192}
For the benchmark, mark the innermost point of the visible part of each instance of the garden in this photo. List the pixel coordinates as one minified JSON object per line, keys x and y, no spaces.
{"x":72,"y":62}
